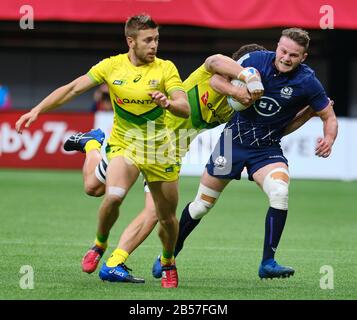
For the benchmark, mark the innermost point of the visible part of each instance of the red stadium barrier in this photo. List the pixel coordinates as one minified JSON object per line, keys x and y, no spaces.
{"x":41,"y":146}
{"x":209,"y":13}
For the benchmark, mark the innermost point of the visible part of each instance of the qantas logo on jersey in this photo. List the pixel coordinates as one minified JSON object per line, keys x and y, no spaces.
{"x":204,"y":98}
{"x":267,"y":106}
{"x":119,"y":101}
{"x":136,"y":101}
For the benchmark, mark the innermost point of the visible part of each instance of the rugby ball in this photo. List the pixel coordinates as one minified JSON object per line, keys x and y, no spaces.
{"x":233,"y":103}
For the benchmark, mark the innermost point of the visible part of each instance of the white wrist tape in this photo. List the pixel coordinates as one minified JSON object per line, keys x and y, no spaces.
{"x":254,"y":86}
{"x":247,"y":74}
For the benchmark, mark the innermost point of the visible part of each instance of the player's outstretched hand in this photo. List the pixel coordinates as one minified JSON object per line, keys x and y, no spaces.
{"x":323,"y":148}
{"x":160,"y":99}
{"x":26,"y":119}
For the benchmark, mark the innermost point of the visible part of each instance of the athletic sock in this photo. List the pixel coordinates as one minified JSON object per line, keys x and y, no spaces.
{"x":186,"y":225}
{"x":92,"y":145}
{"x":118,"y":256}
{"x":101,"y":241}
{"x":167,"y":258}
{"x":274,"y":226}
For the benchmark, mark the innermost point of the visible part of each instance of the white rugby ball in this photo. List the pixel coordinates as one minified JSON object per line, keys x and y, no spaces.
{"x":233,"y":103}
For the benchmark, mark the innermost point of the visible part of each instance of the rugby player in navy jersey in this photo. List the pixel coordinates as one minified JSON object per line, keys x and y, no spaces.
{"x":253,"y":139}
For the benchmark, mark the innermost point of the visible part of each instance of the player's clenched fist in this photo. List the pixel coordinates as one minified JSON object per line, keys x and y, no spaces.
{"x":160,"y":99}
{"x":253,"y":81}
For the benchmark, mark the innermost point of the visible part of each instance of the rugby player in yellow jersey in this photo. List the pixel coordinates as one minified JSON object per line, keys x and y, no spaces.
{"x":139,"y":86}
{"x":208,"y":109}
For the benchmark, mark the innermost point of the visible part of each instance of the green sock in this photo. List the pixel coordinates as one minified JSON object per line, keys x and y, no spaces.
{"x":167,"y":258}
{"x":101,"y":241}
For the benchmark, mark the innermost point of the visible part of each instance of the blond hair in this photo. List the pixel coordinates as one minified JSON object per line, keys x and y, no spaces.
{"x":298,"y":35}
{"x":138,"y":22}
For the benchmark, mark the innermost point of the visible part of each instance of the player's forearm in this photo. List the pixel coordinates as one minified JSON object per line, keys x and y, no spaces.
{"x":64,"y":94}
{"x":330,"y":128}
{"x":330,"y":124}
{"x":224,"y":87}
{"x":224,"y":65}
{"x":179,"y":107}
{"x":301,"y":118}
{"x":57,"y":98}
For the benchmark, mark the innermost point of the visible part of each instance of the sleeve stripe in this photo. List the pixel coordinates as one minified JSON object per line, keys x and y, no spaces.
{"x":176,"y":89}
{"x":90,"y":75}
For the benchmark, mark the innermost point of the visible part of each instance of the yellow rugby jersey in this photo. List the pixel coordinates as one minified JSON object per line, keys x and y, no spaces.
{"x":208,"y":110}
{"x":208,"y":107}
{"x":129,"y":88}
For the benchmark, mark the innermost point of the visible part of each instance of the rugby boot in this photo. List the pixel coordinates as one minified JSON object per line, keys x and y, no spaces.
{"x":77,"y":141}
{"x":120,"y":273}
{"x":271,"y":269}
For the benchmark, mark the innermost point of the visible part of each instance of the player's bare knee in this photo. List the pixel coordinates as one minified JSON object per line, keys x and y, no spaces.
{"x":276,"y":186}
{"x":168,"y":220}
{"x":113,"y":200}
{"x":204,"y":201}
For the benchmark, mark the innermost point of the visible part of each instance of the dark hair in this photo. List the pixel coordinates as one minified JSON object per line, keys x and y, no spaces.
{"x":246,"y":49}
{"x":139,"y":22}
{"x":300,"y":36}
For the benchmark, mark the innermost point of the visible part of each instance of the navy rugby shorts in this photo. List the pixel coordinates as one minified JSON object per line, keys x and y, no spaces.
{"x":228,"y":161}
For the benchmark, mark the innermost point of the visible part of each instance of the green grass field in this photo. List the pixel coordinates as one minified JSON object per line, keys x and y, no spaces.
{"x":47,"y":222}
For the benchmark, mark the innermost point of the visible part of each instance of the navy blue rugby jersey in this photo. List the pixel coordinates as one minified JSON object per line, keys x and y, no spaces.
{"x":285,"y":94}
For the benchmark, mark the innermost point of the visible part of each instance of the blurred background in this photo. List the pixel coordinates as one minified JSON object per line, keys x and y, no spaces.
{"x":47,"y":221}
{"x":46,"y":44}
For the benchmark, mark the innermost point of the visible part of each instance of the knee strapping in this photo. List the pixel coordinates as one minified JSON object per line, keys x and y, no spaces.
{"x":203,"y":202}
{"x":117,"y":192}
{"x":277,"y":188}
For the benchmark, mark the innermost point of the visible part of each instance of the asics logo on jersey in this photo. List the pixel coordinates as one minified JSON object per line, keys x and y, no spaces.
{"x":137,"y":78}
{"x":267,"y":106}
